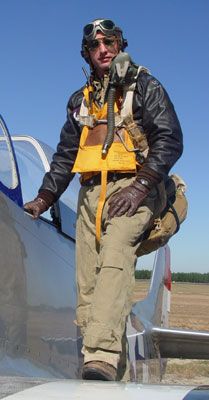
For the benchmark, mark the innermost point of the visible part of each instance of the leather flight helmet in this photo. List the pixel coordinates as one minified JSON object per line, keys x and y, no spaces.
{"x":107,"y":27}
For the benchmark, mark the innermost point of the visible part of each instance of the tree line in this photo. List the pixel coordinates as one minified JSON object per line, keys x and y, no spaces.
{"x":194,"y":277}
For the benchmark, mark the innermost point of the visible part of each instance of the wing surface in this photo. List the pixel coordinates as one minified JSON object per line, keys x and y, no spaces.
{"x":90,"y":390}
{"x":179,"y":343}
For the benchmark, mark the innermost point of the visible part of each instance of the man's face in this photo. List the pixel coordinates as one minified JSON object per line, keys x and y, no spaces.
{"x":102,"y":54}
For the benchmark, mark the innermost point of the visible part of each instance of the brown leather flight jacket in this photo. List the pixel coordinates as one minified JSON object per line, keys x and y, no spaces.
{"x":153,"y":112}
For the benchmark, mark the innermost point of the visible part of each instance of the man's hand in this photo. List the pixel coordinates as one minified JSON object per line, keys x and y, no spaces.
{"x":127,"y":200}
{"x":36,"y":207}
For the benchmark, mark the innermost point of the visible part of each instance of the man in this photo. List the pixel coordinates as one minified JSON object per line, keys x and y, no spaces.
{"x":122,"y":190}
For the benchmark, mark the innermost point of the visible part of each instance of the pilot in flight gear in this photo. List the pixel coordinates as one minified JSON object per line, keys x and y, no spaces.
{"x":122,"y":136}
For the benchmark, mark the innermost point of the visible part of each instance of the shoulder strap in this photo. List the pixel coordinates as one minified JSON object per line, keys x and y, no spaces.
{"x":138,"y":138}
{"x":84,"y":117}
{"x":128,"y":94}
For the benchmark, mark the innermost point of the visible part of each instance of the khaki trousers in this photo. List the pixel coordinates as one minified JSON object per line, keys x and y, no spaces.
{"x":105,"y":273}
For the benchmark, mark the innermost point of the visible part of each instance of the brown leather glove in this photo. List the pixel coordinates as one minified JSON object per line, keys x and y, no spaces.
{"x":36,"y":207}
{"x":127,"y":200}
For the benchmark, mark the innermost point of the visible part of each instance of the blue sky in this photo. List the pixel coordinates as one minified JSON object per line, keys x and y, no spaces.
{"x":41,"y":66}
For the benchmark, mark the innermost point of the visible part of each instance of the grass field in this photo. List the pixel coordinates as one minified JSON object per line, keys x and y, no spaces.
{"x":189,"y":310}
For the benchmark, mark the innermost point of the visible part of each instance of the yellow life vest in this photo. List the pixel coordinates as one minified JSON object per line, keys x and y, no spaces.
{"x":89,"y":157}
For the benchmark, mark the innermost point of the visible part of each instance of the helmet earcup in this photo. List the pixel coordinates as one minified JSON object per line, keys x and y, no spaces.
{"x":84,"y":53}
{"x":124,"y":43}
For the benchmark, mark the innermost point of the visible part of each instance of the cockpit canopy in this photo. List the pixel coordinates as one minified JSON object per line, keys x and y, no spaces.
{"x":23,"y":163}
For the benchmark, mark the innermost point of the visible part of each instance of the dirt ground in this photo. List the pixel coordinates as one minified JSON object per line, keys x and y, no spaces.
{"x":189,"y":310}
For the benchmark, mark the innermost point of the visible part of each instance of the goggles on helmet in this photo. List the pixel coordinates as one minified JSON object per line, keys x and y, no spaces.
{"x":106,"y":26}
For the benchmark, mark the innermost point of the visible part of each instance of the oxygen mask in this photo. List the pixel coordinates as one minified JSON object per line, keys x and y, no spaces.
{"x":122,"y":72}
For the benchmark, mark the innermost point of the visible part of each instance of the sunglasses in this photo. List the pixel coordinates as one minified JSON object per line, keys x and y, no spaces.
{"x":95,"y":43}
{"x":106,"y":26}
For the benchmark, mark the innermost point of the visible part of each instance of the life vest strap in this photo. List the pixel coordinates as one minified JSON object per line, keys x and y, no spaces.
{"x":101,"y":203}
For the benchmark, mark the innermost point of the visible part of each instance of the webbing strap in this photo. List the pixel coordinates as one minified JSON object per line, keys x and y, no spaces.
{"x":100,"y":206}
{"x":128,"y":93}
{"x":175,"y":216}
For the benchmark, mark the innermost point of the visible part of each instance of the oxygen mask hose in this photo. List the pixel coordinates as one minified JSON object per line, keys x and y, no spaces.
{"x":118,"y":71}
{"x":110,"y":120}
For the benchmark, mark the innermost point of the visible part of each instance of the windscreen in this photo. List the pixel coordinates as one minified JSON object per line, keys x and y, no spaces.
{"x":8,"y":175}
{"x":31,"y":170}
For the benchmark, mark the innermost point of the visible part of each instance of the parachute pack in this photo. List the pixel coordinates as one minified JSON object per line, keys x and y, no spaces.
{"x":170,"y":220}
